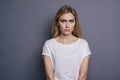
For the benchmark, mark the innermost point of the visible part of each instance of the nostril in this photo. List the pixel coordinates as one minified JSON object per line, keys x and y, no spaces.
{"x":67,"y":25}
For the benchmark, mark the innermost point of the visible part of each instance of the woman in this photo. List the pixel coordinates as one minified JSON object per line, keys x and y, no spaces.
{"x":66,"y":55}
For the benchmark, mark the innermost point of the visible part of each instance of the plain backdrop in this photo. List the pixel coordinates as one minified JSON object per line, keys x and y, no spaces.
{"x":26,"y":24}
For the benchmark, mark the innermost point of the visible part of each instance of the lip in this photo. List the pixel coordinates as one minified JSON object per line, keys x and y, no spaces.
{"x":67,"y":29}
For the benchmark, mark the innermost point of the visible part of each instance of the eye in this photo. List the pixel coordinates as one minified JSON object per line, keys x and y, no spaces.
{"x":62,"y":21}
{"x":71,"y":21}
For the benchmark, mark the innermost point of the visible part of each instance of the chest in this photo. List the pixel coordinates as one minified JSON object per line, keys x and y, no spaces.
{"x":67,"y":53}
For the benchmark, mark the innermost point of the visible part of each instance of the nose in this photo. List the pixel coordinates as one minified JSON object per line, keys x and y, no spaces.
{"x":67,"y":25}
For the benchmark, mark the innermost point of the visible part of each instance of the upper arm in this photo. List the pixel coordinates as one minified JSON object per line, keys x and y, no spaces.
{"x":84,"y":68}
{"x":47,"y":61}
{"x":84,"y":61}
{"x":48,"y":66}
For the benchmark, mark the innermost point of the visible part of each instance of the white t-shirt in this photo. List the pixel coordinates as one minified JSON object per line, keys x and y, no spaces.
{"x":66,"y":58}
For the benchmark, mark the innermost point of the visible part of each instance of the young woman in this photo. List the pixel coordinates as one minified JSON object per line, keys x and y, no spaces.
{"x":66,"y":55}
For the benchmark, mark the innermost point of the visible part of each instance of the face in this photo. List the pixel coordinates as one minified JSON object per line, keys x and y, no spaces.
{"x":66,"y":23}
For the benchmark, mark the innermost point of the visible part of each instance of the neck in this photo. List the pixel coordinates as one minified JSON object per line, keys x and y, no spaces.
{"x":66,"y":37}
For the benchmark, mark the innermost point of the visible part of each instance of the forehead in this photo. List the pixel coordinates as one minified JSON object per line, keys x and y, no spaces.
{"x":67,"y":16}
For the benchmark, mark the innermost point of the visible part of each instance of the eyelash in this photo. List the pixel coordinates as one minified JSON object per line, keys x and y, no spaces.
{"x":69,"y":21}
{"x":62,"y":21}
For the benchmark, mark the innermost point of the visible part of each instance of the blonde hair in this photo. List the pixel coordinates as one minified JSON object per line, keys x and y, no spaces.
{"x":63,"y":10}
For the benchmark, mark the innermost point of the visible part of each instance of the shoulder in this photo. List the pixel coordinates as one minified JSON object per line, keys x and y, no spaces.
{"x":49,"y":41}
{"x":82,"y":40}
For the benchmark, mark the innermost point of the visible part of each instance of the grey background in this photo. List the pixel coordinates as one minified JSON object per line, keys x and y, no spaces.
{"x":26,"y":24}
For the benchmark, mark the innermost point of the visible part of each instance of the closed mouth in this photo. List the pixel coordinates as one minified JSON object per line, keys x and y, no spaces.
{"x":67,"y":29}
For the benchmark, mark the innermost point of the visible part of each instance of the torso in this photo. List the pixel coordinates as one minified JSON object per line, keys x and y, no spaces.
{"x":66,"y":57}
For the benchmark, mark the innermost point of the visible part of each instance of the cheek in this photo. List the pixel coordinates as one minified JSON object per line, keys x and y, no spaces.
{"x":72,"y":29}
{"x":61,"y":26}
{"x":72,"y":26}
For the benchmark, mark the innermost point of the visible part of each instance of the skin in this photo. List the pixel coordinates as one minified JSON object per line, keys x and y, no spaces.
{"x":66,"y":24}
{"x":48,"y":68}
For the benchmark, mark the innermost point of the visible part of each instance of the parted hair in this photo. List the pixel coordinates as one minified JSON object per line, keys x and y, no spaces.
{"x":63,"y":10}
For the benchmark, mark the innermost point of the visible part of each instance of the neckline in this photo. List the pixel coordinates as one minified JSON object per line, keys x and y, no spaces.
{"x":66,"y":44}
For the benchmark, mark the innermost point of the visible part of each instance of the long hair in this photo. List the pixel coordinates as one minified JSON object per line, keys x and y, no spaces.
{"x":63,"y":10}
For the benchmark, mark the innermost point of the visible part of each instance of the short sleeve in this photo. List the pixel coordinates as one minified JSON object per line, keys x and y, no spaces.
{"x":46,"y":49}
{"x":86,"y":50}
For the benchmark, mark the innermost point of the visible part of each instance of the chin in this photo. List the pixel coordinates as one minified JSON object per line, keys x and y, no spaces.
{"x":67,"y":33}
